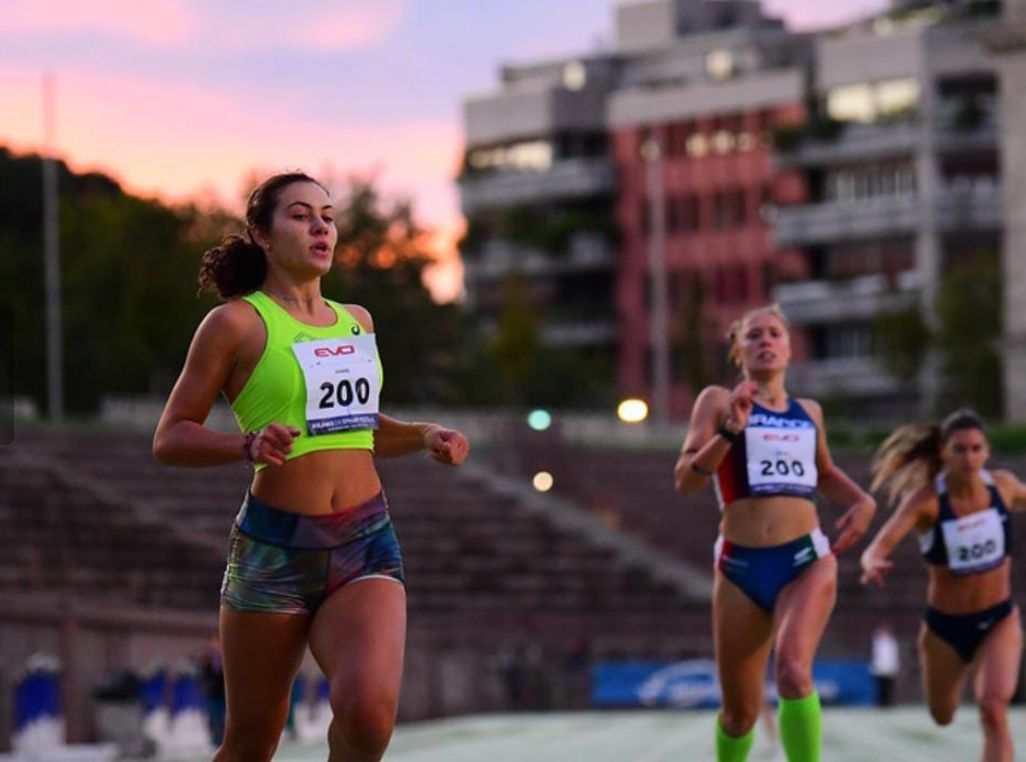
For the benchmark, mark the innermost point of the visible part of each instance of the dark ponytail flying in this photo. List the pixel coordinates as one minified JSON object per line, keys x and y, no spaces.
{"x":238,"y":265}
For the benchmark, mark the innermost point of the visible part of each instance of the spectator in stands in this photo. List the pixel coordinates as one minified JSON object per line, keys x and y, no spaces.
{"x":313,"y":557}
{"x":775,"y":571}
{"x":884,"y":663}
{"x":938,"y":478}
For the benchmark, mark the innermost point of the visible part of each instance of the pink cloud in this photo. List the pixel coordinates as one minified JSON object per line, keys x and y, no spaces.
{"x":815,"y":14}
{"x":154,"y":22}
{"x":334,"y":26}
{"x":180,"y":142}
{"x":356,"y":24}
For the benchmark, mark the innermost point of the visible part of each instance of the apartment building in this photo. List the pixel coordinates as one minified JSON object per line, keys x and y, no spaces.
{"x":537,"y":189}
{"x":901,"y":165}
{"x":1009,"y":44}
{"x":554,"y":184}
{"x":691,"y":125}
{"x":711,"y":161}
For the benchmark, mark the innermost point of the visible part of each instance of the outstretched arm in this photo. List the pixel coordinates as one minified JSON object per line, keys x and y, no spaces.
{"x":912,"y":511}
{"x":394,"y":438}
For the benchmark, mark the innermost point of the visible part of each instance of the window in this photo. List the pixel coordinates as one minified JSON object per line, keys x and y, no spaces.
{"x":870,"y":181}
{"x":575,"y":76}
{"x":697,"y":145}
{"x":851,"y":103}
{"x":850,"y":340}
{"x":721,"y":211}
{"x":723,"y":141}
{"x":719,"y":64}
{"x":533,"y":155}
{"x":740,"y":207}
{"x":871,"y":101}
{"x":853,"y":340}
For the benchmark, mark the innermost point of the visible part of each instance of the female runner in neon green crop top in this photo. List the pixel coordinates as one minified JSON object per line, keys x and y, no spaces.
{"x":302,"y":375}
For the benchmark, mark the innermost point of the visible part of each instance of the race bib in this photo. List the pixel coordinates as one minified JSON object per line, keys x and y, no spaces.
{"x":975,"y":543}
{"x":781,"y":461}
{"x":342,"y":383}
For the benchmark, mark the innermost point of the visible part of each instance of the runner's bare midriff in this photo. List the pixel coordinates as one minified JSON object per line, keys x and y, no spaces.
{"x":968,"y":593}
{"x":766,"y":521}
{"x":329,"y":481}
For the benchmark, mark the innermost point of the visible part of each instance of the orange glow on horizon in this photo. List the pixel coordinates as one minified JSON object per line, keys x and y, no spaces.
{"x":193,"y":145}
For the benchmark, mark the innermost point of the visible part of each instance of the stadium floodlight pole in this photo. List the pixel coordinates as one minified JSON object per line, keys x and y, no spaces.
{"x":52,"y":258}
{"x":659,"y":312}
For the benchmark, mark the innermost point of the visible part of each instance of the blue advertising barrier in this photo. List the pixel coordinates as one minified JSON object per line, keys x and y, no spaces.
{"x":186,"y":694}
{"x":153,"y":690}
{"x":37,"y":696}
{"x":694,"y":684}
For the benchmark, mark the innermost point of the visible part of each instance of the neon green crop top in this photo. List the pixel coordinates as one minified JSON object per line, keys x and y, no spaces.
{"x":276,"y":391}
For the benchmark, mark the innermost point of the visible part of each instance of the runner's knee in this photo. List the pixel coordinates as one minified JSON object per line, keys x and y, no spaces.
{"x":794,"y":676}
{"x":737,"y":721}
{"x":364,"y":717}
{"x":993,"y":711}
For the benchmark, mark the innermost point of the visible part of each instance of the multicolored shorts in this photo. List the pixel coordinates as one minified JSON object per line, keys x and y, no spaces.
{"x":285,"y":562}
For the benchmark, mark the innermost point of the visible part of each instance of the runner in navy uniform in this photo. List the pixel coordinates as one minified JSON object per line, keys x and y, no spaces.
{"x":776,"y":574}
{"x":961,"y":514}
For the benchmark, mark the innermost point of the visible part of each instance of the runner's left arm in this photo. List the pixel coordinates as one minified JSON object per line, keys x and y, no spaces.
{"x":394,"y":438}
{"x":1012,"y":490}
{"x":837,"y":486}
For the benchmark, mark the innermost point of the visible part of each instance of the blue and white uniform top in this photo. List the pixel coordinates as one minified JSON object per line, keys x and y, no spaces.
{"x":970,"y":544}
{"x":775,"y":455}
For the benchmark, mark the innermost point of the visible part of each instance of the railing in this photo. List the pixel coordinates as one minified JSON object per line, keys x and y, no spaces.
{"x":856,"y":376}
{"x":864,"y":296}
{"x":568,"y":178}
{"x":587,"y":251}
{"x":830,"y":221}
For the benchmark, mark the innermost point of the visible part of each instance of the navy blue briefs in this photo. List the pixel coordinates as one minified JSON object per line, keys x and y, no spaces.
{"x":761,"y":573}
{"x":965,"y":632}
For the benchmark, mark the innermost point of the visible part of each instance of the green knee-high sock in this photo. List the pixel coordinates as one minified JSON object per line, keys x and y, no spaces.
{"x":800,"y":728}
{"x":729,"y":749}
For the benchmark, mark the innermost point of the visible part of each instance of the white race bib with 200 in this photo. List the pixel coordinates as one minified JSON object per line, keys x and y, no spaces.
{"x":781,"y":460}
{"x":342,"y":383}
{"x":975,"y":542}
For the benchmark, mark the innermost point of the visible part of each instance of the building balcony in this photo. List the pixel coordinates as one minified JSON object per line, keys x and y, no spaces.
{"x":579,"y":333}
{"x":973,"y":206}
{"x":565,"y":179}
{"x":855,"y":143}
{"x":821,"y":301}
{"x":842,"y":376}
{"x":835,"y":221}
{"x":952,"y":139}
{"x":568,"y":330}
{"x":586,"y":252}
{"x":872,"y":142}
{"x":528,"y":112}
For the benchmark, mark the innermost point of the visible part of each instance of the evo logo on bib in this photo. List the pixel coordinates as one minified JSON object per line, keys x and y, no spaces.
{"x":342,"y":383}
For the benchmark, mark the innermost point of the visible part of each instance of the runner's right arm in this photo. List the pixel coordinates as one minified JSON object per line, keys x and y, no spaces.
{"x":181,"y":438}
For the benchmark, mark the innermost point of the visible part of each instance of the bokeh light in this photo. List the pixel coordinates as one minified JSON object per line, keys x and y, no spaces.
{"x":632,"y":411}
{"x":543,"y":481}
{"x":539,"y":420}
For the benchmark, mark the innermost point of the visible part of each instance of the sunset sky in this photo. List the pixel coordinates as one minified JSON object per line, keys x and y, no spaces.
{"x":187,"y":98}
